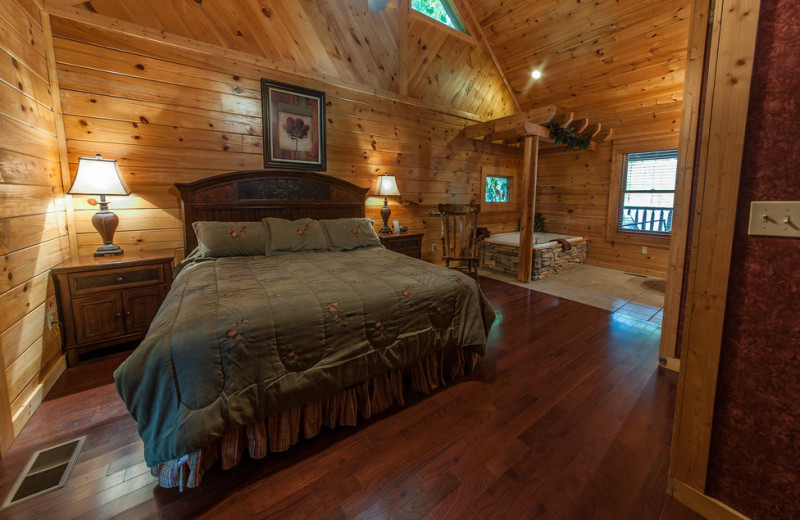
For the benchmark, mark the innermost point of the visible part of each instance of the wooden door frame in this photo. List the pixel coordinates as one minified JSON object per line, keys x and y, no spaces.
{"x":716,"y":148}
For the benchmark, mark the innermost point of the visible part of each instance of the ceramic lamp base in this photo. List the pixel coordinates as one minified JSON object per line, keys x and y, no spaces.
{"x":105,"y":222}
{"x":386,"y":212}
{"x":108,"y":250}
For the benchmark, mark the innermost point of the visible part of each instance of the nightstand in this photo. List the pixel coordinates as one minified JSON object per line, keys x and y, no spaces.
{"x":109,"y":300}
{"x":407,"y":243}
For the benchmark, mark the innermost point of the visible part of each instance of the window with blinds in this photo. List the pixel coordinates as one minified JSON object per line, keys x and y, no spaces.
{"x":647,"y":192}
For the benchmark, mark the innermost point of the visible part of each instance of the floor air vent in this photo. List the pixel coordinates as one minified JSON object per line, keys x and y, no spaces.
{"x":47,"y":470}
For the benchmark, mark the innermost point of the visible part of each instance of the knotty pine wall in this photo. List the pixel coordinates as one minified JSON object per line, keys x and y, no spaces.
{"x":175,"y":114}
{"x":573,"y":195}
{"x":621,"y":64}
{"x":33,"y":224}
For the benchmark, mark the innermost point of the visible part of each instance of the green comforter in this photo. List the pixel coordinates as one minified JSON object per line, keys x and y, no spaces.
{"x":240,"y":338}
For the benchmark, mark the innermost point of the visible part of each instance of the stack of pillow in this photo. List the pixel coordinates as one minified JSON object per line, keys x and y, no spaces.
{"x":277,"y":236}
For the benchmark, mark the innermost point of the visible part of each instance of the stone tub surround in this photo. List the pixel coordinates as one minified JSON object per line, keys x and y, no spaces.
{"x":499,"y":254}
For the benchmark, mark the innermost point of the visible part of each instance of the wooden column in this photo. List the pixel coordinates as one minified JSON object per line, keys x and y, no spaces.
{"x":530,"y":169}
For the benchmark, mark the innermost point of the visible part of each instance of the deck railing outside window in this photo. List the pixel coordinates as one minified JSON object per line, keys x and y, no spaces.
{"x":646,"y":218}
{"x":647,"y":191}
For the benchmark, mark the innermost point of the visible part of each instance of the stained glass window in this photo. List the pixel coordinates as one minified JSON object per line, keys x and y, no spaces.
{"x":441,"y":11}
{"x":497,"y":189}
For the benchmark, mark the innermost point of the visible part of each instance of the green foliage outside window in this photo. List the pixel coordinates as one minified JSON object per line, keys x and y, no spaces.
{"x":439,"y":11}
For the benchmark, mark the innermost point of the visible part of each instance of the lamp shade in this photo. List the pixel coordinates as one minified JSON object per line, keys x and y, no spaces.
{"x":386,"y":186}
{"x":98,"y":176}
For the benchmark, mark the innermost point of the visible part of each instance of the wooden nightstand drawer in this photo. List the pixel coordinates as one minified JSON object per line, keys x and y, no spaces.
{"x":410,"y":243}
{"x":120,"y":278}
{"x":406,"y":243}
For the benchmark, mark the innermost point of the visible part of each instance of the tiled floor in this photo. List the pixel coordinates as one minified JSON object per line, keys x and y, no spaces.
{"x":631,"y":295}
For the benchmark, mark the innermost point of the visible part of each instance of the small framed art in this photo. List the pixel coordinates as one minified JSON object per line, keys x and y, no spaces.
{"x":294,"y":126}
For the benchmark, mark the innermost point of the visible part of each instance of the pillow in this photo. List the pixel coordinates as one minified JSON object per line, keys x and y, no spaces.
{"x":345,"y":234}
{"x":291,"y":236}
{"x":218,"y":239}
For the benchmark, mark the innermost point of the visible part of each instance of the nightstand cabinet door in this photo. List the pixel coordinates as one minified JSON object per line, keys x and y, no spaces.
{"x":141,"y":306}
{"x":98,"y":317}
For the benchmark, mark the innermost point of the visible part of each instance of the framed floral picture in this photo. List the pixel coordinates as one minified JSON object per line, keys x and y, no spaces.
{"x":294,"y":126}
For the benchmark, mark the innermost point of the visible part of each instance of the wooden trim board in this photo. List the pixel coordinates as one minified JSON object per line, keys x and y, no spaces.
{"x":60,"y":133}
{"x":690,"y":118}
{"x":710,"y":508}
{"x":33,"y":401}
{"x":728,"y":81}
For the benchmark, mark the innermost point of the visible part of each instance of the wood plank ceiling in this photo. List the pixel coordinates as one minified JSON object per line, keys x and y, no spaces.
{"x":619,"y":62}
{"x":338,"y":41}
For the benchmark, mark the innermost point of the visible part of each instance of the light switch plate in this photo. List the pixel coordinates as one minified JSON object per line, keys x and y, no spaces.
{"x":775,"y":218}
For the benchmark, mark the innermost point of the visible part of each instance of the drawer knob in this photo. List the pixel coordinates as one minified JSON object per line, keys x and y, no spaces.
{"x":119,"y":278}
{"x":119,"y":315}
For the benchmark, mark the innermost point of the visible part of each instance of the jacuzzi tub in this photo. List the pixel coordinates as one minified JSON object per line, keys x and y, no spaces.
{"x":501,"y":253}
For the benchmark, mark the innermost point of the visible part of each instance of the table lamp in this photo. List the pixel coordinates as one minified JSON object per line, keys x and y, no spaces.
{"x":98,"y":176}
{"x":386,"y":187}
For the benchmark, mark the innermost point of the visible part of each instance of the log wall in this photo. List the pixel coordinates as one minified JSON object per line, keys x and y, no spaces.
{"x":171,"y":114}
{"x":33,"y":223}
{"x":621,"y":64}
{"x":574,"y":194}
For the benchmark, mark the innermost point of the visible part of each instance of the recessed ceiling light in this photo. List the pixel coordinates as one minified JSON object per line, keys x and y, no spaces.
{"x":536,"y":74}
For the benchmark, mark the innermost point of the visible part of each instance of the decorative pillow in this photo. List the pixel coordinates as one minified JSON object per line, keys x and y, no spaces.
{"x":345,"y":234}
{"x":218,"y":239}
{"x":291,"y":236}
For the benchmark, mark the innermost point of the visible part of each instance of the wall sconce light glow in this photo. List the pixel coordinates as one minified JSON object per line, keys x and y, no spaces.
{"x":536,"y":74}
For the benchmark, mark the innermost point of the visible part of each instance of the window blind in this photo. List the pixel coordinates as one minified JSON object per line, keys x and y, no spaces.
{"x":649,"y":171}
{"x":648,"y":191}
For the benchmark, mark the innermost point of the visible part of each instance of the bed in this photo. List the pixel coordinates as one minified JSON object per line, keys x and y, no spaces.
{"x":255,"y":347}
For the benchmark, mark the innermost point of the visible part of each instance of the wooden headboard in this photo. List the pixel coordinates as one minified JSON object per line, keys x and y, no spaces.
{"x":251,"y":195}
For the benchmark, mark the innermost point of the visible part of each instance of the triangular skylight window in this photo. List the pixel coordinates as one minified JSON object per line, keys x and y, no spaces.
{"x":441,"y":11}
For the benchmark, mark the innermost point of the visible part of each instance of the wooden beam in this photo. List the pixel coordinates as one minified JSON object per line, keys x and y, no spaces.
{"x":728,"y":90}
{"x":530,"y":170}
{"x":519,"y":131}
{"x":580,"y":125}
{"x":594,"y":130}
{"x":563,"y":119}
{"x":538,"y":115}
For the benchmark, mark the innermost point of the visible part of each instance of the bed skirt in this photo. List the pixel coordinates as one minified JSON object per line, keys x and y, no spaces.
{"x":280,"y":431}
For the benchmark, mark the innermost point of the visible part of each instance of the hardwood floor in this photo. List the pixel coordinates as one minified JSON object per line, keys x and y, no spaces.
{"x":567,"y":417}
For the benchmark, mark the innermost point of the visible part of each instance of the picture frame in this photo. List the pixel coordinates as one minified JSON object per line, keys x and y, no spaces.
{"x":294,"y":126}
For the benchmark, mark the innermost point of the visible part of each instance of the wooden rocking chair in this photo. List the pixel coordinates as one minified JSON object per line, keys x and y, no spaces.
{"x":460,"y":241}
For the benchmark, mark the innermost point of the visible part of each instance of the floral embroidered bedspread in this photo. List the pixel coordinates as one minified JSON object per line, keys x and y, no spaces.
{"x":240,"y":338}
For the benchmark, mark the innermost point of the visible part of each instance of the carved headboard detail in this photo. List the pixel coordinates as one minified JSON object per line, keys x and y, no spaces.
{"x":254,"y":194}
